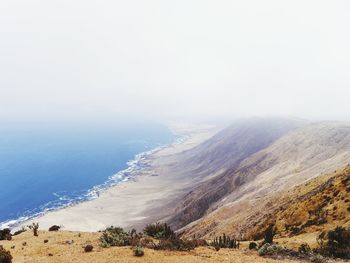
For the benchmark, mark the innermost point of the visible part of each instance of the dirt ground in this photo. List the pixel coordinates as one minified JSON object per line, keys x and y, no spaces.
{"x":67,"y":247}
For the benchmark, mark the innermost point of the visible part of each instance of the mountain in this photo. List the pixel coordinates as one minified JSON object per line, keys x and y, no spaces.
{"x":238,"y":169}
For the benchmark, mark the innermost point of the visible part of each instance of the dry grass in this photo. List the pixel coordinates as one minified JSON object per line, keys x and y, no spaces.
{"x":68,"y":247}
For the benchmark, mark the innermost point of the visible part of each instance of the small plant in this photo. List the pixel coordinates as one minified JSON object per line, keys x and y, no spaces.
{"x":176,"y":243}
{"x":269,"y":234}
{"x":253,"y":245}
{"x":5,"y":256}
{"x":5,"y":234}
{"x":34,"y":227}
{"x":268,"y":249}
{"x":147,"y":242}
{"x":225,"y":242}
{"x":304,"y":249}
{"x":88,"y":248}
{"x":159,"y":231}
{"x":114,"y":236}
{"x":138,"y":251}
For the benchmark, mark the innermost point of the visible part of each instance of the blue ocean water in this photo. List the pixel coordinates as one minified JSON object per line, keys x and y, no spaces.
{"x":43,"y":167}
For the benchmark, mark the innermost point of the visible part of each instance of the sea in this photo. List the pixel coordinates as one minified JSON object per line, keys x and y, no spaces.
{"x":44,"y":167}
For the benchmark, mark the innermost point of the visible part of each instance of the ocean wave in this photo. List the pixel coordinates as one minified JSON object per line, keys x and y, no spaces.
{"x":66,"y":200}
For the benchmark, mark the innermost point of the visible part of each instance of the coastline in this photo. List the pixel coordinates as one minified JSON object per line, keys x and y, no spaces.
{"x":131,"y":168}
{"x":145,"y":187}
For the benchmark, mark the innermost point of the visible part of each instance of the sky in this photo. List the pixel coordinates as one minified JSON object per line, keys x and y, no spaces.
{"x":160,"y":59}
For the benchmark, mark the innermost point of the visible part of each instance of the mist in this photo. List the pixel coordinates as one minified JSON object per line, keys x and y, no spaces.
{"x":96,"y":60}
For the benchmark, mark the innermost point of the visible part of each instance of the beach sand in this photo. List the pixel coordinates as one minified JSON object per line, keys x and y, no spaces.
{"x":135,"y":202}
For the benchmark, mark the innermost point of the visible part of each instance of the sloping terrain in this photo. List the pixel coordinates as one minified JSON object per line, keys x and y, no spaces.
{"x":223,"y":201}
{"x":320,"y":204}
{"x":210,"y":164}
{"x":66,"y":247}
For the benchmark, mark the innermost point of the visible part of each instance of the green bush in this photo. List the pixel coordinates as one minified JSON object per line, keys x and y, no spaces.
{"x":335,"y":243}
{"x":5,"y":256}
{"x":114,"y":236}
{"x":138,"y":251}
{"x":159,"y":231}
{"x":268,"y":249}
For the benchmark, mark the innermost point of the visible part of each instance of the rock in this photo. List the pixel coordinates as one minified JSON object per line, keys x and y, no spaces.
{"x":54,"y":228}
{"x":88,"y":248}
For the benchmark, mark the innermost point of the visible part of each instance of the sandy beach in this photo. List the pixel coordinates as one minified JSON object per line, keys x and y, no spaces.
{"x":135,"y":202}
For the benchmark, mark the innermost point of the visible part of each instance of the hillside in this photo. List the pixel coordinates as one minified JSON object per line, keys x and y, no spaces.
{"x":223,"y":201}
{"x":318,"y":205}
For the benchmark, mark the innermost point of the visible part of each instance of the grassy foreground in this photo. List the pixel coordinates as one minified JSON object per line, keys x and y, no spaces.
{"x":64,"y":246}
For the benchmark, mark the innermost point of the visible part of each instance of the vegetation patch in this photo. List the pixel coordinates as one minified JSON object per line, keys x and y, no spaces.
{"x":335,"y":243}
{"x":5,"y":256}
{"x":114,"y":236}
{"x":5,"y":234}
{"x":225,"y":242}
{"x":159,"y":231}
{"x":138,"y":251}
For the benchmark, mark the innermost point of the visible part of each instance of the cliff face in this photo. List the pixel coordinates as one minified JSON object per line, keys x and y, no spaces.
{"x":240,"y":168}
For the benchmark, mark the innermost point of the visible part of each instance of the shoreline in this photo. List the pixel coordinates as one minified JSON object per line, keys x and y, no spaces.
{"x":133,"y":165}
{"x":125,"y":203}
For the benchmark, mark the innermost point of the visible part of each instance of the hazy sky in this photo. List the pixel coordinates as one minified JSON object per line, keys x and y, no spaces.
{"x":160,"y":59}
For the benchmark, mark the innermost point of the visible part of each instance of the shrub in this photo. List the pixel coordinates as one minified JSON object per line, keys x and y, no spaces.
{"x":335,"y":243}
{"x":34,"y":227}
{"x":54,"y":228}
{"x":253,"y":245}
{"x":88,"y":248}
{"x":5,"y":256}
{"x":176,"y":243}
{"x":134,"y":238}
{"x":5,"y":234}
{"x":138,"y":251}
{"x":268,"y":249}
{"x":225,"y":242}
{"x":304,"y":248}
{"x":114,"y":236}
{"x":159,"y":231}
{"x":269,"y":234}
{"x":19,"y":231}
{"x":147,"y":242}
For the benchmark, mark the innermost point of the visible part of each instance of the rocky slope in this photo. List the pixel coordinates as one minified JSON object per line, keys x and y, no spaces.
{"x":320,"y":204}
{"x":251,"y":161}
